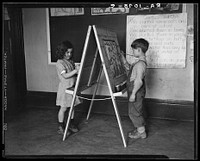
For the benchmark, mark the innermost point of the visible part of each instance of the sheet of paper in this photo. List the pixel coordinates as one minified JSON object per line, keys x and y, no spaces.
{"x":166,"y":33}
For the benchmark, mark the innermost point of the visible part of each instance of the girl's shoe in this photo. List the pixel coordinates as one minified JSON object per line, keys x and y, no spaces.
{"x":61,"y":131}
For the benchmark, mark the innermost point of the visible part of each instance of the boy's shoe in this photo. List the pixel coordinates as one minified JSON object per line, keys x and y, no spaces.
{"x":73,"y":128}
{"x":132,"y":132}
{"x":136,"y":135}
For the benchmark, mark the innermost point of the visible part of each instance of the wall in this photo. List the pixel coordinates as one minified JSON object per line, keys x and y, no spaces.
{"x":166,"y":84}
{"x":40,"y":76}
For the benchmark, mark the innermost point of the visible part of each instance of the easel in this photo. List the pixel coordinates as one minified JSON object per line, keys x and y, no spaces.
{"x":103,"y":68}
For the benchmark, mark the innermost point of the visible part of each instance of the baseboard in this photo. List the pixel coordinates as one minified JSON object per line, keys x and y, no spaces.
{"x":154,"y":108}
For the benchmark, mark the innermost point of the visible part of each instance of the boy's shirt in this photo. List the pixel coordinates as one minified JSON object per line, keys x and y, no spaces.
{"x":139,"y":69}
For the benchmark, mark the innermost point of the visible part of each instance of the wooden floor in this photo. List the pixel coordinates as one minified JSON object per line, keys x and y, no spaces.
{"x":33,"y":133}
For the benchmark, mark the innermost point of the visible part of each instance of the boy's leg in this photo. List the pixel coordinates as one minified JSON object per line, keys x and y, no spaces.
{"x":136,"y":115}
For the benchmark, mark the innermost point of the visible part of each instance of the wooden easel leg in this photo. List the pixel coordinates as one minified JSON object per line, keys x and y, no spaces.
{"x":77,"y":81}
{"x":92,"y":69}
{"x":69,"y":116}
{"x":119,"y":121}
{"x":109,"y":85}
{"x":94,"y":93}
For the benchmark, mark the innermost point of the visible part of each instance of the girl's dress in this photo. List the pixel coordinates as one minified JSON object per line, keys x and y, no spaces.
{"x":64,"y":99}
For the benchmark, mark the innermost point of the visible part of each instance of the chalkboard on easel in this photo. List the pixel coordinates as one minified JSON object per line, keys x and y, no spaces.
{"x":111,"y":54}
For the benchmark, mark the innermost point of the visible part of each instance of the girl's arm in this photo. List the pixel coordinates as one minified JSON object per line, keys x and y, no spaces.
{"x":69,"y":74}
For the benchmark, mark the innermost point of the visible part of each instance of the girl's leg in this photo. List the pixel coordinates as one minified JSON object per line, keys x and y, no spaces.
{"x":61,"y":115}
{"x":62,"y":120}
{"x":72,"y":125}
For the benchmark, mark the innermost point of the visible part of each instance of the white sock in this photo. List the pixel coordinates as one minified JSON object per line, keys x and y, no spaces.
{"x":141,"y":129}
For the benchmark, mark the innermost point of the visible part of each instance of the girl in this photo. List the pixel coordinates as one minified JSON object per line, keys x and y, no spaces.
{"x":66,"y":71}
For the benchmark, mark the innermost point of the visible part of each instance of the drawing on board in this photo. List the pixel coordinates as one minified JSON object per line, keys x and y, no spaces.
{"x":110,"y":51}
{"x":113,"y":58}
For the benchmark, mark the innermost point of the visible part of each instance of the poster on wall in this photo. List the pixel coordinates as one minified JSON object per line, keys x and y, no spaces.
{"x":166,"y":34}
{"x":109,"y":10}
{"x":66,"y":11}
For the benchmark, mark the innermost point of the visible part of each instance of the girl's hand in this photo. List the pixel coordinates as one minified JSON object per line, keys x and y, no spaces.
{"x":77,"y":67}
{"x":76,"y":71}
{"x":132,"y":98}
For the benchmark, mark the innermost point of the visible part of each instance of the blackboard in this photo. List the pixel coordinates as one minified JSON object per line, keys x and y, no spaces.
{"x":74,"y":29}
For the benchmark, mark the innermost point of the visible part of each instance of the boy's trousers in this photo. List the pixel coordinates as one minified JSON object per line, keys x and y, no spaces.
{"x":135,"y":109}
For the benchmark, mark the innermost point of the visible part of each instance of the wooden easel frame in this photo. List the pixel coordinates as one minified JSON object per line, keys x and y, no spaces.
{"x":103,"y":68}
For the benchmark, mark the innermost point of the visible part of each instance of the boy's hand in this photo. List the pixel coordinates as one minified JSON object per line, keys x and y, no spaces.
{"x":122,"y":56}
{"x":132,"y":98}
{"x":122,"y":53}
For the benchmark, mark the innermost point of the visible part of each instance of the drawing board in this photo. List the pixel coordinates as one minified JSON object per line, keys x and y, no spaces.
{"x":111,"y":54}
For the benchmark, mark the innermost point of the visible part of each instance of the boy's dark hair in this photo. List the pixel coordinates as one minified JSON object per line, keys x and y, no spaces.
{"x":140,"y":43}
{"x":62,"y":48}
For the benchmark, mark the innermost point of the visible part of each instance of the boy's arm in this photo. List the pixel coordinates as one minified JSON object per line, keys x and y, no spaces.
{"x":140,"y":69}
{"x":125,"y":62}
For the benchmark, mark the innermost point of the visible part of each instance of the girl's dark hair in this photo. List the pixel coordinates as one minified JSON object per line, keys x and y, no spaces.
{"x":140,"y":43}
{"x":62,"y":48}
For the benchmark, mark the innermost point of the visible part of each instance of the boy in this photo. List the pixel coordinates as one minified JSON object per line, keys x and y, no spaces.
{"x":136,"y":87}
